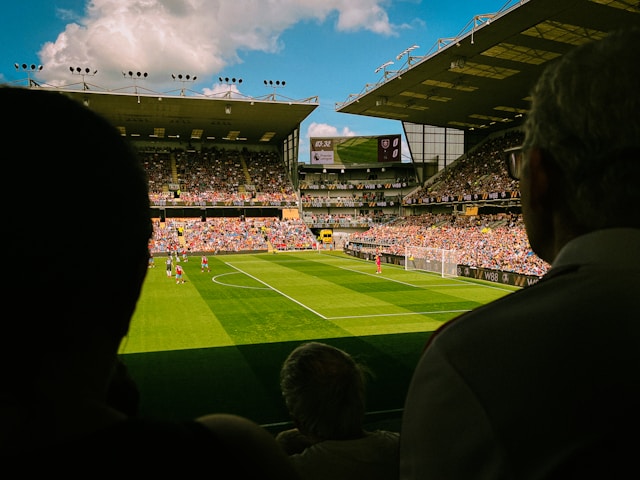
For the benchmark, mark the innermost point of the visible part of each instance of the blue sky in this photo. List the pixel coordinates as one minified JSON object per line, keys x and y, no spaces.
{"x":324,"y":48}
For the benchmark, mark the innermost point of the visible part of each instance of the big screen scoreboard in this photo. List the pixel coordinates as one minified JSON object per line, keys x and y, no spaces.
{"x":358,"y":149}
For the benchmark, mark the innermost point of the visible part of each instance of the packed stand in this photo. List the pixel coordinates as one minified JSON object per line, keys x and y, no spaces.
{"x":481,"y":172}
{"x":483,"y":241}
{"x":216,"y":175}
{"x":230,"y":235}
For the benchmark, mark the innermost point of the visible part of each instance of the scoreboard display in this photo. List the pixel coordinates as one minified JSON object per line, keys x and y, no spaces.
{"x":359,"y":149}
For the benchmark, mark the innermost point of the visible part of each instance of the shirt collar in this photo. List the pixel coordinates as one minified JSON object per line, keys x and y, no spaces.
{"x":614,"y":246}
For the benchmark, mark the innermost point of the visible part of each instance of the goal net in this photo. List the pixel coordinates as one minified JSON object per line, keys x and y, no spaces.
{"x":437,"y":260}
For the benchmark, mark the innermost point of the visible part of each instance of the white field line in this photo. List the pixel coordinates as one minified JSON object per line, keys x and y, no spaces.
{"x":394,"y":280}
{"x":459,"y":282}
{"x":338,"y":317}
{"x":279,"y":292}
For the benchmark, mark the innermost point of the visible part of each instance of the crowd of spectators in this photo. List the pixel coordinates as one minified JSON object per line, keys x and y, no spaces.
{"x":230,"y":235}
{"x":343,"y":220}
{"x":481,"y":171}
{"x":219,"y":175}
{"x":496,"y":242}
{"x":486,"y":241}
{"x":237,"y":176}
{"x":195,"y":177}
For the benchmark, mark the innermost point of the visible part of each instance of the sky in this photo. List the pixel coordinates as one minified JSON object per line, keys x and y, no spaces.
{"x":329,"y":49}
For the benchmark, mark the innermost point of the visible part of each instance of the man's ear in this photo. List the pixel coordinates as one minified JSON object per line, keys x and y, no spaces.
{"x":539,"y":178}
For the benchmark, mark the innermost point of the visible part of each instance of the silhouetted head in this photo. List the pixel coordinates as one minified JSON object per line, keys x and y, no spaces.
{"x":76,"y":198}
{"x":324,"y":390}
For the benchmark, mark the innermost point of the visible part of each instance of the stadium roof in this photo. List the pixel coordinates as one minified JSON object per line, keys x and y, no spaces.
{"x":480,"y":79}
{"x":149,"y":116}
{"x":477,"y":80}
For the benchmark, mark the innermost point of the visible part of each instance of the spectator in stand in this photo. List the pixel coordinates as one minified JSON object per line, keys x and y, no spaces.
{"x":545,"y":382}
{"x":324,"y":390}
{"x":500,"y":247}
{"x":58,"y":367}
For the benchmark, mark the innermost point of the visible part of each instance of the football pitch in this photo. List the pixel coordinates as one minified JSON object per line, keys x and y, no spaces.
{"x":216,"y":342}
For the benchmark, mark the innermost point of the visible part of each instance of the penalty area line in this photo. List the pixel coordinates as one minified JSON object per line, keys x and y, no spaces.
{"x":400,"y":314}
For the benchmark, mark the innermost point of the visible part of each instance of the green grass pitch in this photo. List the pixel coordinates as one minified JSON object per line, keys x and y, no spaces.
{"x":358,"y":150}
{"x":216,"y":342}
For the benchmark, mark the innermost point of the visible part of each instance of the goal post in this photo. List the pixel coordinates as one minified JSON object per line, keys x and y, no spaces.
{"x":436,"y":260}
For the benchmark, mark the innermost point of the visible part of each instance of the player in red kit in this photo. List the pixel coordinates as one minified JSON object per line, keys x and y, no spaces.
{"x":204,"y":264}
{"x":179,"y":272}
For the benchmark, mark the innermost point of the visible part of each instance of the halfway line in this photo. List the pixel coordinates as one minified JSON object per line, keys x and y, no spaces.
{"x":278,"y":291}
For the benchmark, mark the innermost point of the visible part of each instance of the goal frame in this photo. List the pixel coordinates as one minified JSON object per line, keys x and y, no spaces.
{"x":429,"y":259}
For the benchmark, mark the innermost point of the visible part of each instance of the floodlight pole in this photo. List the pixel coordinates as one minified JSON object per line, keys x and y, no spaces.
{"x":183,"y":79}
{"x":83,"y":72}
{"x":230,"y":82}
{"x":30,"y":69}
{"x":135,"y":77}
{"x":274,"y":84}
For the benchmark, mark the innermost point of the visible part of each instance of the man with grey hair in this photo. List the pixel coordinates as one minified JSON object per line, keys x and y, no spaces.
{"x":545,"y":382}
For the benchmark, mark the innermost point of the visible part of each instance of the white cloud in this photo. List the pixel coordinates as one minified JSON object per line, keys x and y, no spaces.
{"x":365,"y":13}
{"x":325,"y":130}
{"x":196,"y":37}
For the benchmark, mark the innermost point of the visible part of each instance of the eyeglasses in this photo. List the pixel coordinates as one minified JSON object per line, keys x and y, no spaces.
{"x":514,"y":160}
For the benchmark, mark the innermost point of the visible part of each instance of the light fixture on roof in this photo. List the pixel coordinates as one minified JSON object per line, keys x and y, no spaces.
{"x":231,"y":82}
{"x":83,"y":72}
{"x":135,"y":76}
{"x":227,"y":109}
{"x":274,"y":84}
{"x":386,"y":73}
{"x":383,"y":67}
{"x":33,"y":68}
{"x":183,"y":78}
{"x":28,"y":68}
{"x":406,"y":52}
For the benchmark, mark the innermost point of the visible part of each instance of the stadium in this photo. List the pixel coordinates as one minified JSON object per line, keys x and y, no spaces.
{"x":226,"y":182}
